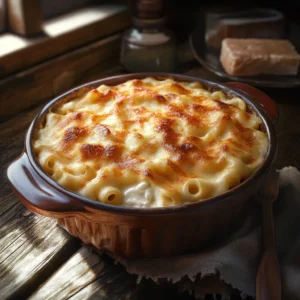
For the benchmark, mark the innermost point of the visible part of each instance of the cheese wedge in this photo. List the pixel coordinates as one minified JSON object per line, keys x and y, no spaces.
{"x":248,"y":57}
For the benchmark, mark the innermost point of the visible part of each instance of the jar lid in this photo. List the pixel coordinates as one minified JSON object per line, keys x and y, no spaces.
{"x":149,"y":9}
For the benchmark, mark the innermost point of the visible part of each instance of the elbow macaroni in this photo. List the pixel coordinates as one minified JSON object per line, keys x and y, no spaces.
{"x":110,"y":195}
{"x":151,"y":143}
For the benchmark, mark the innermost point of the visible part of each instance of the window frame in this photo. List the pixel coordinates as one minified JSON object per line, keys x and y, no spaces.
{"x":19,"y":52}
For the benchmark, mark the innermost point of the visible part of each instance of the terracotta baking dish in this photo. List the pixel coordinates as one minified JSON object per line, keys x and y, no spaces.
{"x":135,"y":232}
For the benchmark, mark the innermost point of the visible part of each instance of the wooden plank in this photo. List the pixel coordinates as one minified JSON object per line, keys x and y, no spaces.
{"x":48,"y":79}
{"x":24,"y":17}
{"x":96,"y":276}
{"x":8,"y":153}
{"x":84,"y":267}
{"x":15,"y":125}
{"x":28,"y":243}
{"x":12,"y":135}
{"x":61,"y":34}
{"x":31,"y":249}
{"x":10,"y":147}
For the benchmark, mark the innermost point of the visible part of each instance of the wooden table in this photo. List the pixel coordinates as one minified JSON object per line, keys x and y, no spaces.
{"x":39,"y":260}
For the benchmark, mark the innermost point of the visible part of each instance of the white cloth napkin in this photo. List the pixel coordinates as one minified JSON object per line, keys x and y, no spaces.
{"x":236,"y":262}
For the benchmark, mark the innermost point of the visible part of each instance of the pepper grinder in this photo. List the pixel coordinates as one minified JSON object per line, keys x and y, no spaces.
{"x":148,"y":46}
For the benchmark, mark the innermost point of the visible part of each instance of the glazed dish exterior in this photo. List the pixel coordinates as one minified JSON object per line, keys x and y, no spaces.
{"x":171,"y":225}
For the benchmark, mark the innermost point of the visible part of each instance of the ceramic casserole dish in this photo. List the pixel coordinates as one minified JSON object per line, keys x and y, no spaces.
{"x":144,"y":232}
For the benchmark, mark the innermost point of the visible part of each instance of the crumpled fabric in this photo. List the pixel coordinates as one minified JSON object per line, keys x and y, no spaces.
{"x":235,"y":262}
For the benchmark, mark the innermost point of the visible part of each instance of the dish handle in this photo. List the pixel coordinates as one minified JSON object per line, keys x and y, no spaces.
{"x":264,"y":100}
{"x":35,"y":193}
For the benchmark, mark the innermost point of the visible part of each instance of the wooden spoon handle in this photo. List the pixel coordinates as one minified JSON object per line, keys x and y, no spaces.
{"x":268,"y":284}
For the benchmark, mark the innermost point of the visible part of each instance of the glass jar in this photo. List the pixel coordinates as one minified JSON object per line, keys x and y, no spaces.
{"x":148,"y":47}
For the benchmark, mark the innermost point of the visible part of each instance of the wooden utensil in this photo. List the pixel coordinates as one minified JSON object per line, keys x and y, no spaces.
{"x":268,"y":286}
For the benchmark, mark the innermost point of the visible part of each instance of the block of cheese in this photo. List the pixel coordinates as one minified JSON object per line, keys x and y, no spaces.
{"x":248,"y":57}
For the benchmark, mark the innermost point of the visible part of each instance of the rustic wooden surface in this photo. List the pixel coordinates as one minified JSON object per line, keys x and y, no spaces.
{"x":40,"y":261}
{"x":54,"y":76}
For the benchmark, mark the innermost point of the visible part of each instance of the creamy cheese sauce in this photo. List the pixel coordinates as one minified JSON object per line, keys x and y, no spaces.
{"x":151,"y":143}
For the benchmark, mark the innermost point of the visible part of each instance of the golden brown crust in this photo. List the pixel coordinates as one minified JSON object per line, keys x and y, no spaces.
{"x":161,"y":132}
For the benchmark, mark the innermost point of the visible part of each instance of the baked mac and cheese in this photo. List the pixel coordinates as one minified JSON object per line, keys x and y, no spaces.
{"x":150,"y":143}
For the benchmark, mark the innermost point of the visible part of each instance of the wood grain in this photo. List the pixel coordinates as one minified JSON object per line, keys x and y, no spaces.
{"x":85,"y":267}
{"x":24,"y":17}
{"x":96,"y":276}
{"x":10,"y":147}
{"x":32,"y":250}
{"x":31,"y":247}
{"x":46,"y":80}
{"x":268,"y":281}
{"x":60,"y":35}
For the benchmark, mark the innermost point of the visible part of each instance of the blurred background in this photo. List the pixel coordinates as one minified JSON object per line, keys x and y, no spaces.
{"x":61,"y":44}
